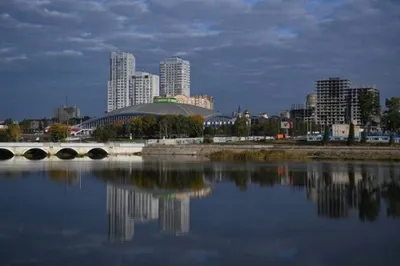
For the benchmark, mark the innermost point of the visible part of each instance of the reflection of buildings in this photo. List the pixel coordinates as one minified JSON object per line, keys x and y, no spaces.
{"x":334,"y":188}
{"x":120,"y":224}
{"x":174,"y":215}
{"x":142,"y":206}
{"x":125,"y":206}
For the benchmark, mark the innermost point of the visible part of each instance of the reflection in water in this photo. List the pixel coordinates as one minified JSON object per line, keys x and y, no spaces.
{"x":126,"y":205}
{"x":150,"y":191}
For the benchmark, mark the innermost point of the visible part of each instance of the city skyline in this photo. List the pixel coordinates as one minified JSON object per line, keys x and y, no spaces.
{"x":51,"y":49}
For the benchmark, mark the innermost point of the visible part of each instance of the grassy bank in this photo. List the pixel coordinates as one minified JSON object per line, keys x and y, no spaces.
{"x":301,"y":155}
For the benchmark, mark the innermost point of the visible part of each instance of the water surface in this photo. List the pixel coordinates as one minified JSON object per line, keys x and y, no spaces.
{"x":124,"y":212}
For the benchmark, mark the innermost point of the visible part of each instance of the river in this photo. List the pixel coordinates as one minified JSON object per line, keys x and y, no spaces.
{"x":135,"y":212}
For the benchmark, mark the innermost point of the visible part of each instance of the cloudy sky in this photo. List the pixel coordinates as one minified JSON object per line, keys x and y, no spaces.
{"x":262,"y":54}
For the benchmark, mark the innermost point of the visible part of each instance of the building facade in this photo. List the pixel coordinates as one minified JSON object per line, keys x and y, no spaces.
{"x":331,"y":101}
{"x":354,"y":103}
{"x":143,"y":88}
{"x":338,"y":101}
{"x":175,"y":76}
{"x":64,"y":113}
{"x":203,"y":101}
{"x":122,"y":68}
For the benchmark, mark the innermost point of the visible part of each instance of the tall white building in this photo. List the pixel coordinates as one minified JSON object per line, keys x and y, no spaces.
{"x":143,"y":88}
{"x":122,"y":68}
{"x":175,"y":76}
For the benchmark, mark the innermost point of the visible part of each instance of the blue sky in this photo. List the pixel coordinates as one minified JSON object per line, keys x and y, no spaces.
{"x":262,"y":55}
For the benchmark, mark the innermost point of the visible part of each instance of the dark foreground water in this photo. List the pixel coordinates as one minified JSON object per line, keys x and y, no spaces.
{"x":126,"y":213}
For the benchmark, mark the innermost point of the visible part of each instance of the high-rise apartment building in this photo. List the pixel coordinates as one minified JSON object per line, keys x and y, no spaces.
{"x":143,"y":88}
{"x":338,"y":101}
{"x":122,"y":68}
{"x":175,"y":76}
{"x":331,"y":101}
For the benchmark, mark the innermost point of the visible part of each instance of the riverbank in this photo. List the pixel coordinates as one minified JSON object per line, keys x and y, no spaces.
{"x":276,"y":152}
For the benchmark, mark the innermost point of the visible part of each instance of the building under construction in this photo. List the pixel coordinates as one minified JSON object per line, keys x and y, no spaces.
{"x":338,"y":101}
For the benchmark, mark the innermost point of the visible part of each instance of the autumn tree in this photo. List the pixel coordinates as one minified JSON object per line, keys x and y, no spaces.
{"x":195,"y":123}
{"x":14,"y":132}
{"x":149,"y":125}
{"x":59,"y":132}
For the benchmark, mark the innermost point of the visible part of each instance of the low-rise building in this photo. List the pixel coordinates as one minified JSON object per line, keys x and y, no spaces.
{"x":204,"y":101}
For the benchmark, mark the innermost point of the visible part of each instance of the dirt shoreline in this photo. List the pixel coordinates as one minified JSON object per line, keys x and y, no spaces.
{"x":277,"y":152}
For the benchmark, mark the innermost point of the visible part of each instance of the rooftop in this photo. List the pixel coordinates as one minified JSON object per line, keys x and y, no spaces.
{"x":164,"y":109}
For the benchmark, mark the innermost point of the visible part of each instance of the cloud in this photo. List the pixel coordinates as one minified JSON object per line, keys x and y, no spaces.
{"x":235,"y":46}
{"x":6,"y":50}
{"x":64,"y":53}
{"x":13,"y":58}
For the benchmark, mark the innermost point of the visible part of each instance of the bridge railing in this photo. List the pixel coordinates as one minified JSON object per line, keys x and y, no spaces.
{"x":71,"y":144}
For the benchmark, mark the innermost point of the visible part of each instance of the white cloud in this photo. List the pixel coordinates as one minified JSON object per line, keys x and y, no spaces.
{"x":64,"y":53}
{"x":6,"y":49}
{"x":14,"y":58}
{"x":57,"y":14}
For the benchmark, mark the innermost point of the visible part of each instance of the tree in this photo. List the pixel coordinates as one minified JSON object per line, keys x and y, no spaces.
{"x":325,"y":138}
{"x":195,"y":125}
{"x":241,"y":129}
{"x":136,"y":124}
{"x":209,"y":131}
{"x":14,"y":132}
{"x":25,"y":125}
{"x":369,"y":106}
{"x":391,"y":115}
{"x":391,"y":140}
{"x":59,"y":132}
{"x":4,"y":135}
{"x":105,"y":133}
{"x":350,"y":138}
{"x":149,"y":125}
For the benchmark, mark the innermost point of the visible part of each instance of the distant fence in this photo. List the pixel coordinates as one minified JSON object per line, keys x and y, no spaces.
{"x":183,"y":141}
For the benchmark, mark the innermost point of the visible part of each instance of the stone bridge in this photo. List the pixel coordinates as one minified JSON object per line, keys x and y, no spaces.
{"x":111,"y":148}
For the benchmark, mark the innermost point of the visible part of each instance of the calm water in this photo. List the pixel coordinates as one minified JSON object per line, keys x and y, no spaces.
{"x":141,"y":213}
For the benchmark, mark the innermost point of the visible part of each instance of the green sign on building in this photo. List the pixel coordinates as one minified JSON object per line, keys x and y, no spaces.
{"x":164,"y":100}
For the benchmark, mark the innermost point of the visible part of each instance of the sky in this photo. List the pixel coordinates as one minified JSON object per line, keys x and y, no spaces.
{"x":263,"y":55}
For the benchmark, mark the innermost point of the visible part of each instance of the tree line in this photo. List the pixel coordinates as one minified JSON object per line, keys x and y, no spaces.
{"x":147,"y":126}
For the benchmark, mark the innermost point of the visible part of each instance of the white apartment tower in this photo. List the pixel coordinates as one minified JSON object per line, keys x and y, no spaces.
{"x":143,"y":88}
{"x":175,"y":76}
{"x":122,"y":68}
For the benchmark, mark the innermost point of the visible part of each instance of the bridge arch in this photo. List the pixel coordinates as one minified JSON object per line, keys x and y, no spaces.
{"x":35,"y":153}
{"x":6,"y":154}
{"x":66,"y":153}
{"x":97,"y":153}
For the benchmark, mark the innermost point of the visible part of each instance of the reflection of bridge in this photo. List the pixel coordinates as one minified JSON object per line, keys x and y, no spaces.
{"x":111,"y":148}
{"x":127,"y":205}
{"x":84,"y":164}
